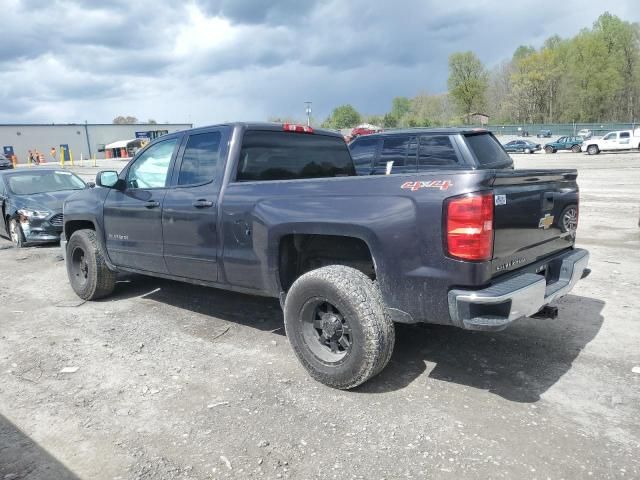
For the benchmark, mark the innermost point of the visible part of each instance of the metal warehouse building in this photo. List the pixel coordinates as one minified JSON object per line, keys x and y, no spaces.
{"x":86,"y":139}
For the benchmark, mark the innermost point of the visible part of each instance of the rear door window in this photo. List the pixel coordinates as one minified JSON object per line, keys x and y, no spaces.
{"x":487,"y":151}
{"x":363,"y":152}
{"x":398,"y":155}
{"x":274,"y":155}
{"x":200,"y":159}
{"x":436,"y":151}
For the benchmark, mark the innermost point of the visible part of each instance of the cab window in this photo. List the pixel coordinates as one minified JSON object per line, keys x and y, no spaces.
{"x":609,"y":136}
{"x":151,"y":169}
{"x":200,"y":159}
{"x":437,"y":150}
{"x":398,"y":155}
{"x":363,"y":152}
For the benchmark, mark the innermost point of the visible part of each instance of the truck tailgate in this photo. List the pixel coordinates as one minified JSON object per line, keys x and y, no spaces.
{"x":529,"y":205}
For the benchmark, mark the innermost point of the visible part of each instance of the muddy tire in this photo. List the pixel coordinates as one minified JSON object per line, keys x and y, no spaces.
{"x":16,"y":234}
{"x":390,"y":334}
{"x":548,"y":149}
{"x":87,"y":270}
{"x":335,"y":321}
{"x":575,"y":149}
{"x":593,"y":150}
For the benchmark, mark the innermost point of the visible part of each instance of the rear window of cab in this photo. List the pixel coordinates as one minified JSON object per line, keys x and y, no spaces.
{"x":272,"y":155}
{"x":488,"y":151}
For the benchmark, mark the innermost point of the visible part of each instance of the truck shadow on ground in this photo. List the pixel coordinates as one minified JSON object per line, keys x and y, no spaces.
{"x":518,"y":364}
{"x":252,"y":311}
{"x":21,"y":457}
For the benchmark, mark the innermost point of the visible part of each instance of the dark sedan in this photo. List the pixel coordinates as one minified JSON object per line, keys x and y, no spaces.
{"x":522,"y":146}
{"x":31,"y":203}
{"x":5,"y":163}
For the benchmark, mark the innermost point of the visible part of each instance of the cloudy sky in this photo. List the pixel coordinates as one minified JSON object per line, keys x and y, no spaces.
{"x":208,"y":61}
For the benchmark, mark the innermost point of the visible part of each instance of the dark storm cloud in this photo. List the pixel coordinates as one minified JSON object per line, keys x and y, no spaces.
{"x":213,"y":60}
{"x":275,"y":12}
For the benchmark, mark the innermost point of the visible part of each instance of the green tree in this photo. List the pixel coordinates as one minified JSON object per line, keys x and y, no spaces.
{"x":344,"y":116}
{"x":400,"y":106}
{"x":389,"y":121}
{"x":122,"y":120}
{"x":467,"y":81}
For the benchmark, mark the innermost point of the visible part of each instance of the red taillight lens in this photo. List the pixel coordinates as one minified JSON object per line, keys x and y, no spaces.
{"x":290,"y":127}
{"x":470,"y":227}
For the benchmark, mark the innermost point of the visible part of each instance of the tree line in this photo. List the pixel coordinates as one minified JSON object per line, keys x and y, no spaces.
{"x":591,"y":77}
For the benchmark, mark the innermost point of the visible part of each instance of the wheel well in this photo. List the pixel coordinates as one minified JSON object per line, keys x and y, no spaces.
{"x":75,"y":225}
{"x":300,"y":253}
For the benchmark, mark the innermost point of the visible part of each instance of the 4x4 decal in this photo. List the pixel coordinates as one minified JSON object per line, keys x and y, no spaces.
{"x":417,"y":185}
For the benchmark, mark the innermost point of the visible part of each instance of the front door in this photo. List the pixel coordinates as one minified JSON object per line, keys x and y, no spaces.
{"x":190,"y":211}
{"x":610,"y":141}
{"x":133,"y":216}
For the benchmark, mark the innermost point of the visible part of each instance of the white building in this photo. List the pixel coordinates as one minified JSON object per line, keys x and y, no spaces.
{"x":86,"y":139}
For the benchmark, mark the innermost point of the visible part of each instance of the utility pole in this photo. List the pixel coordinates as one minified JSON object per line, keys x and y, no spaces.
{"x":308,"y":112}
{"x":86,"y":131}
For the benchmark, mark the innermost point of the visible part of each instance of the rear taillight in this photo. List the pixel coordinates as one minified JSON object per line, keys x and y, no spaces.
{"x":469,"y":226}
{"x":291,"y":127}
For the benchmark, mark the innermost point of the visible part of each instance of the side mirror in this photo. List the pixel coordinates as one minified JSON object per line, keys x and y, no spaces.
{"x":108,"y":179}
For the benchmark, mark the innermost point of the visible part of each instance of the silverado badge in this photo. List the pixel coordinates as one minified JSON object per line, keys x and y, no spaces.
{"x":546,"y":222}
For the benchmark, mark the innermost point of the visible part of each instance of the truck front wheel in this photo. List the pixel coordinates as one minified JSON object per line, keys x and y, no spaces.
{"x":87,"y":270}
{"x":335,"y":322}
{"x":593,"y":150}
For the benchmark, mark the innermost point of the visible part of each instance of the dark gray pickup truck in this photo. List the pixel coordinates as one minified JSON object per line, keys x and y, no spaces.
{"x":277,"y":210}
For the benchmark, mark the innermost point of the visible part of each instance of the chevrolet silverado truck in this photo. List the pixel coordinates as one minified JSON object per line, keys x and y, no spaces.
{"x":278,"y":210}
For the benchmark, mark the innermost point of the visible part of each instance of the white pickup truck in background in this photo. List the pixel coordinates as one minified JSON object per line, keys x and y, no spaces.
{"x":612,"y":141}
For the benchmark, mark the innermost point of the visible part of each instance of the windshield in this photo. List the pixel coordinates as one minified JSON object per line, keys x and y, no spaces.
{"x":488,"y":151}
{"x":30,"y":183}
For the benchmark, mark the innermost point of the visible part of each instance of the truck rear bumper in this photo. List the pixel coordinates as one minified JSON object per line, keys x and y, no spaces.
{"x":495,"y":307}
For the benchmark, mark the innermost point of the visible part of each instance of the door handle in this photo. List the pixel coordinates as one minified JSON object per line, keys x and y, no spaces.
{"x":203,"y":203}
{"x":152,"y":204}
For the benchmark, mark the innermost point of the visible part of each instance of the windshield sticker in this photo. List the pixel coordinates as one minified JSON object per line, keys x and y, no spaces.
{"x":415,"y":186}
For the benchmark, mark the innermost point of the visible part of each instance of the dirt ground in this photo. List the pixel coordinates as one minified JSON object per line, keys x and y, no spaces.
{"x":175,"y":381}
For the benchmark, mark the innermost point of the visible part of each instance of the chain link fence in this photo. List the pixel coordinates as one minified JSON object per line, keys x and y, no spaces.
{"x":597,"y":129}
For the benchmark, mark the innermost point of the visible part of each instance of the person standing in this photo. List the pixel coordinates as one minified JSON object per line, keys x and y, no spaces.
{"x":53,"y":154}
{"x":31,"y":159}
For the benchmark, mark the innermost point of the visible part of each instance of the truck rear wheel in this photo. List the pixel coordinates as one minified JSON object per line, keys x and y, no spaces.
{"x":335,"y":322}
{"x":87,"y":270}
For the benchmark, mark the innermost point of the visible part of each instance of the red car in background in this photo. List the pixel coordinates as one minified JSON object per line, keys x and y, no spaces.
{"x":365,"y":129}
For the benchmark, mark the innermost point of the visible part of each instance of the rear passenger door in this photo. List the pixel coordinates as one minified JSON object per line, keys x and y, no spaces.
{"x":438,"y":152}
{"x":624,"y":140}
{"x":190,"y":214}
{"x":397,"y":155}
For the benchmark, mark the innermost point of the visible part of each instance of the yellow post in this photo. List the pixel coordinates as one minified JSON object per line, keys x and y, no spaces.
{"x":95,"y":160}
{"x":62,"y":157}
{"x":81,"y":159}
{"x":28,"y":160}
{"x":71,"y":157}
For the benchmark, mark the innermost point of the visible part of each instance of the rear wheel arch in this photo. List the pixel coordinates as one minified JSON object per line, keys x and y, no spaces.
{"x":300,"y":253}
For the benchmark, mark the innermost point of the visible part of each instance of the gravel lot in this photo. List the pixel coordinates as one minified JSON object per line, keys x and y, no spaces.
{"x":177,"y":381}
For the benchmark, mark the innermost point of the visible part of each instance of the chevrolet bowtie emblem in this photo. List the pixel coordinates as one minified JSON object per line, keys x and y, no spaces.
{"x":546,"y":222}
